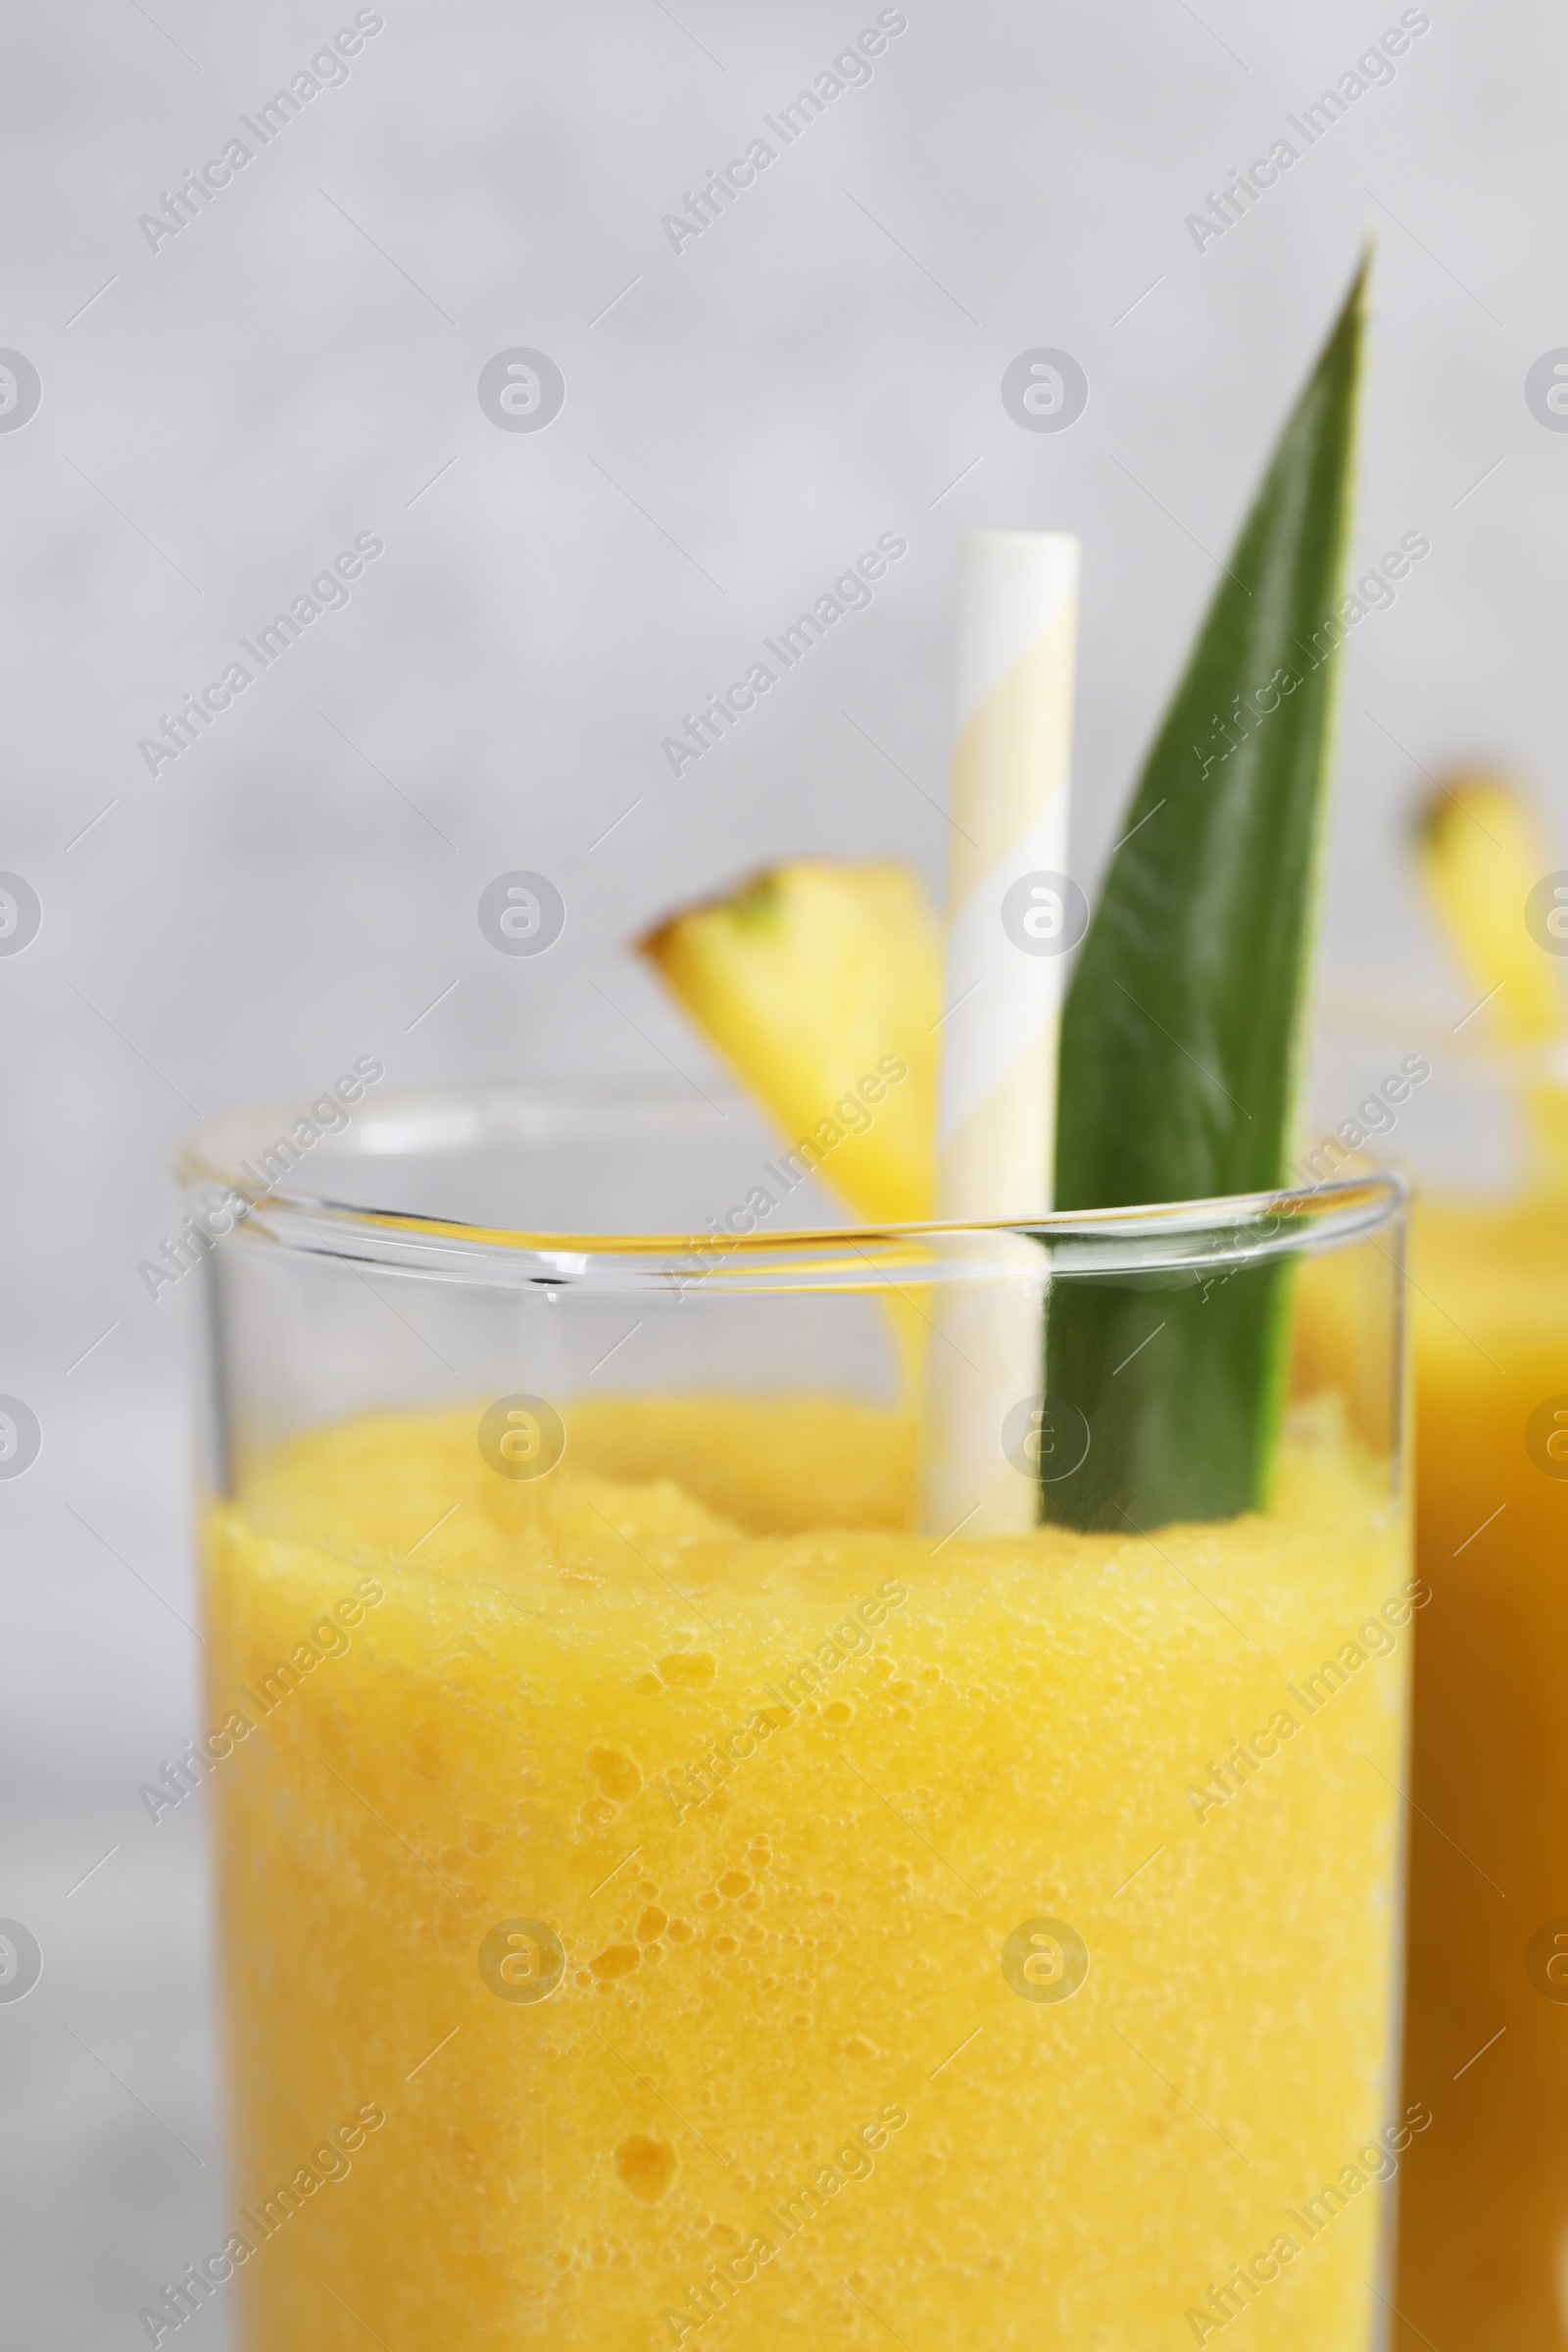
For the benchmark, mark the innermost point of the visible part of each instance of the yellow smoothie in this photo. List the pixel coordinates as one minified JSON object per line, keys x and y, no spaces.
{"x":1483,"y":2258}
{"x":670,"y":1898}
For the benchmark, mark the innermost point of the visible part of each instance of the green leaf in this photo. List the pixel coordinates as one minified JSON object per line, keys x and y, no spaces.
{"x":1183,"y":1036}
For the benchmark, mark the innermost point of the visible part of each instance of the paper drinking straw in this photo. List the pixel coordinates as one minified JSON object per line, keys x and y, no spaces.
{"x":1012,"y":915}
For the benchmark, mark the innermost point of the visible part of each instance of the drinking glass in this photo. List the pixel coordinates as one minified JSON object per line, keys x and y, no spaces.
{"x":659,"y":1880}
{"x":1484,"y":2232}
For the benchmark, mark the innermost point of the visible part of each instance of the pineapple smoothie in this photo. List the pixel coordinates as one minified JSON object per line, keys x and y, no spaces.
{"x":711,"y":1859}
{"x":1485,"y":2211}
{"x":670,"y":1895}
{"x":1483,"y":2218}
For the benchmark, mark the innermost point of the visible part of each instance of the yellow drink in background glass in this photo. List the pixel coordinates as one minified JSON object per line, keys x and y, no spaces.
{"x":1482,"y":2237}
{"x":1484,"y":2259}
{"x":659,"y":1890}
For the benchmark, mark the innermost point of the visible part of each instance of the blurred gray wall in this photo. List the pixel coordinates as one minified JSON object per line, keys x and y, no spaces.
{"x":225,"y":408}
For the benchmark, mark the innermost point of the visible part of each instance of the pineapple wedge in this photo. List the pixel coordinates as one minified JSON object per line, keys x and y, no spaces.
{"x":1482,"y":854}
{"x":819,"y":983}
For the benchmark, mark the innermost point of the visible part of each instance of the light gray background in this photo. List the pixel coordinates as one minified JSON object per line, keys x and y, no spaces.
{"x":822,"y":364}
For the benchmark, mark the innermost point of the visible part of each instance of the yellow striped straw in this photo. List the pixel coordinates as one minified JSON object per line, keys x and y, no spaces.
{"x":1014,"y":914}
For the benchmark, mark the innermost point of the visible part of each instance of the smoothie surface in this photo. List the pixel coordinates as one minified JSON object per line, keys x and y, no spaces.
{"x":746,"y":1914}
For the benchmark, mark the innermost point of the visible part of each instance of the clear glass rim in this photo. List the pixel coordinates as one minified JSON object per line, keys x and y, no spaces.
{"x":318,"y":1222}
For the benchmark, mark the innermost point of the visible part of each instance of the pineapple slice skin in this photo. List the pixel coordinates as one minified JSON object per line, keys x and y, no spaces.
{"x":818,"y":982}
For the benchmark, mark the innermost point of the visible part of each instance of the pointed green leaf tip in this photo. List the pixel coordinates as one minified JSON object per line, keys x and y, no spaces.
{"x":1183,"y":1037}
